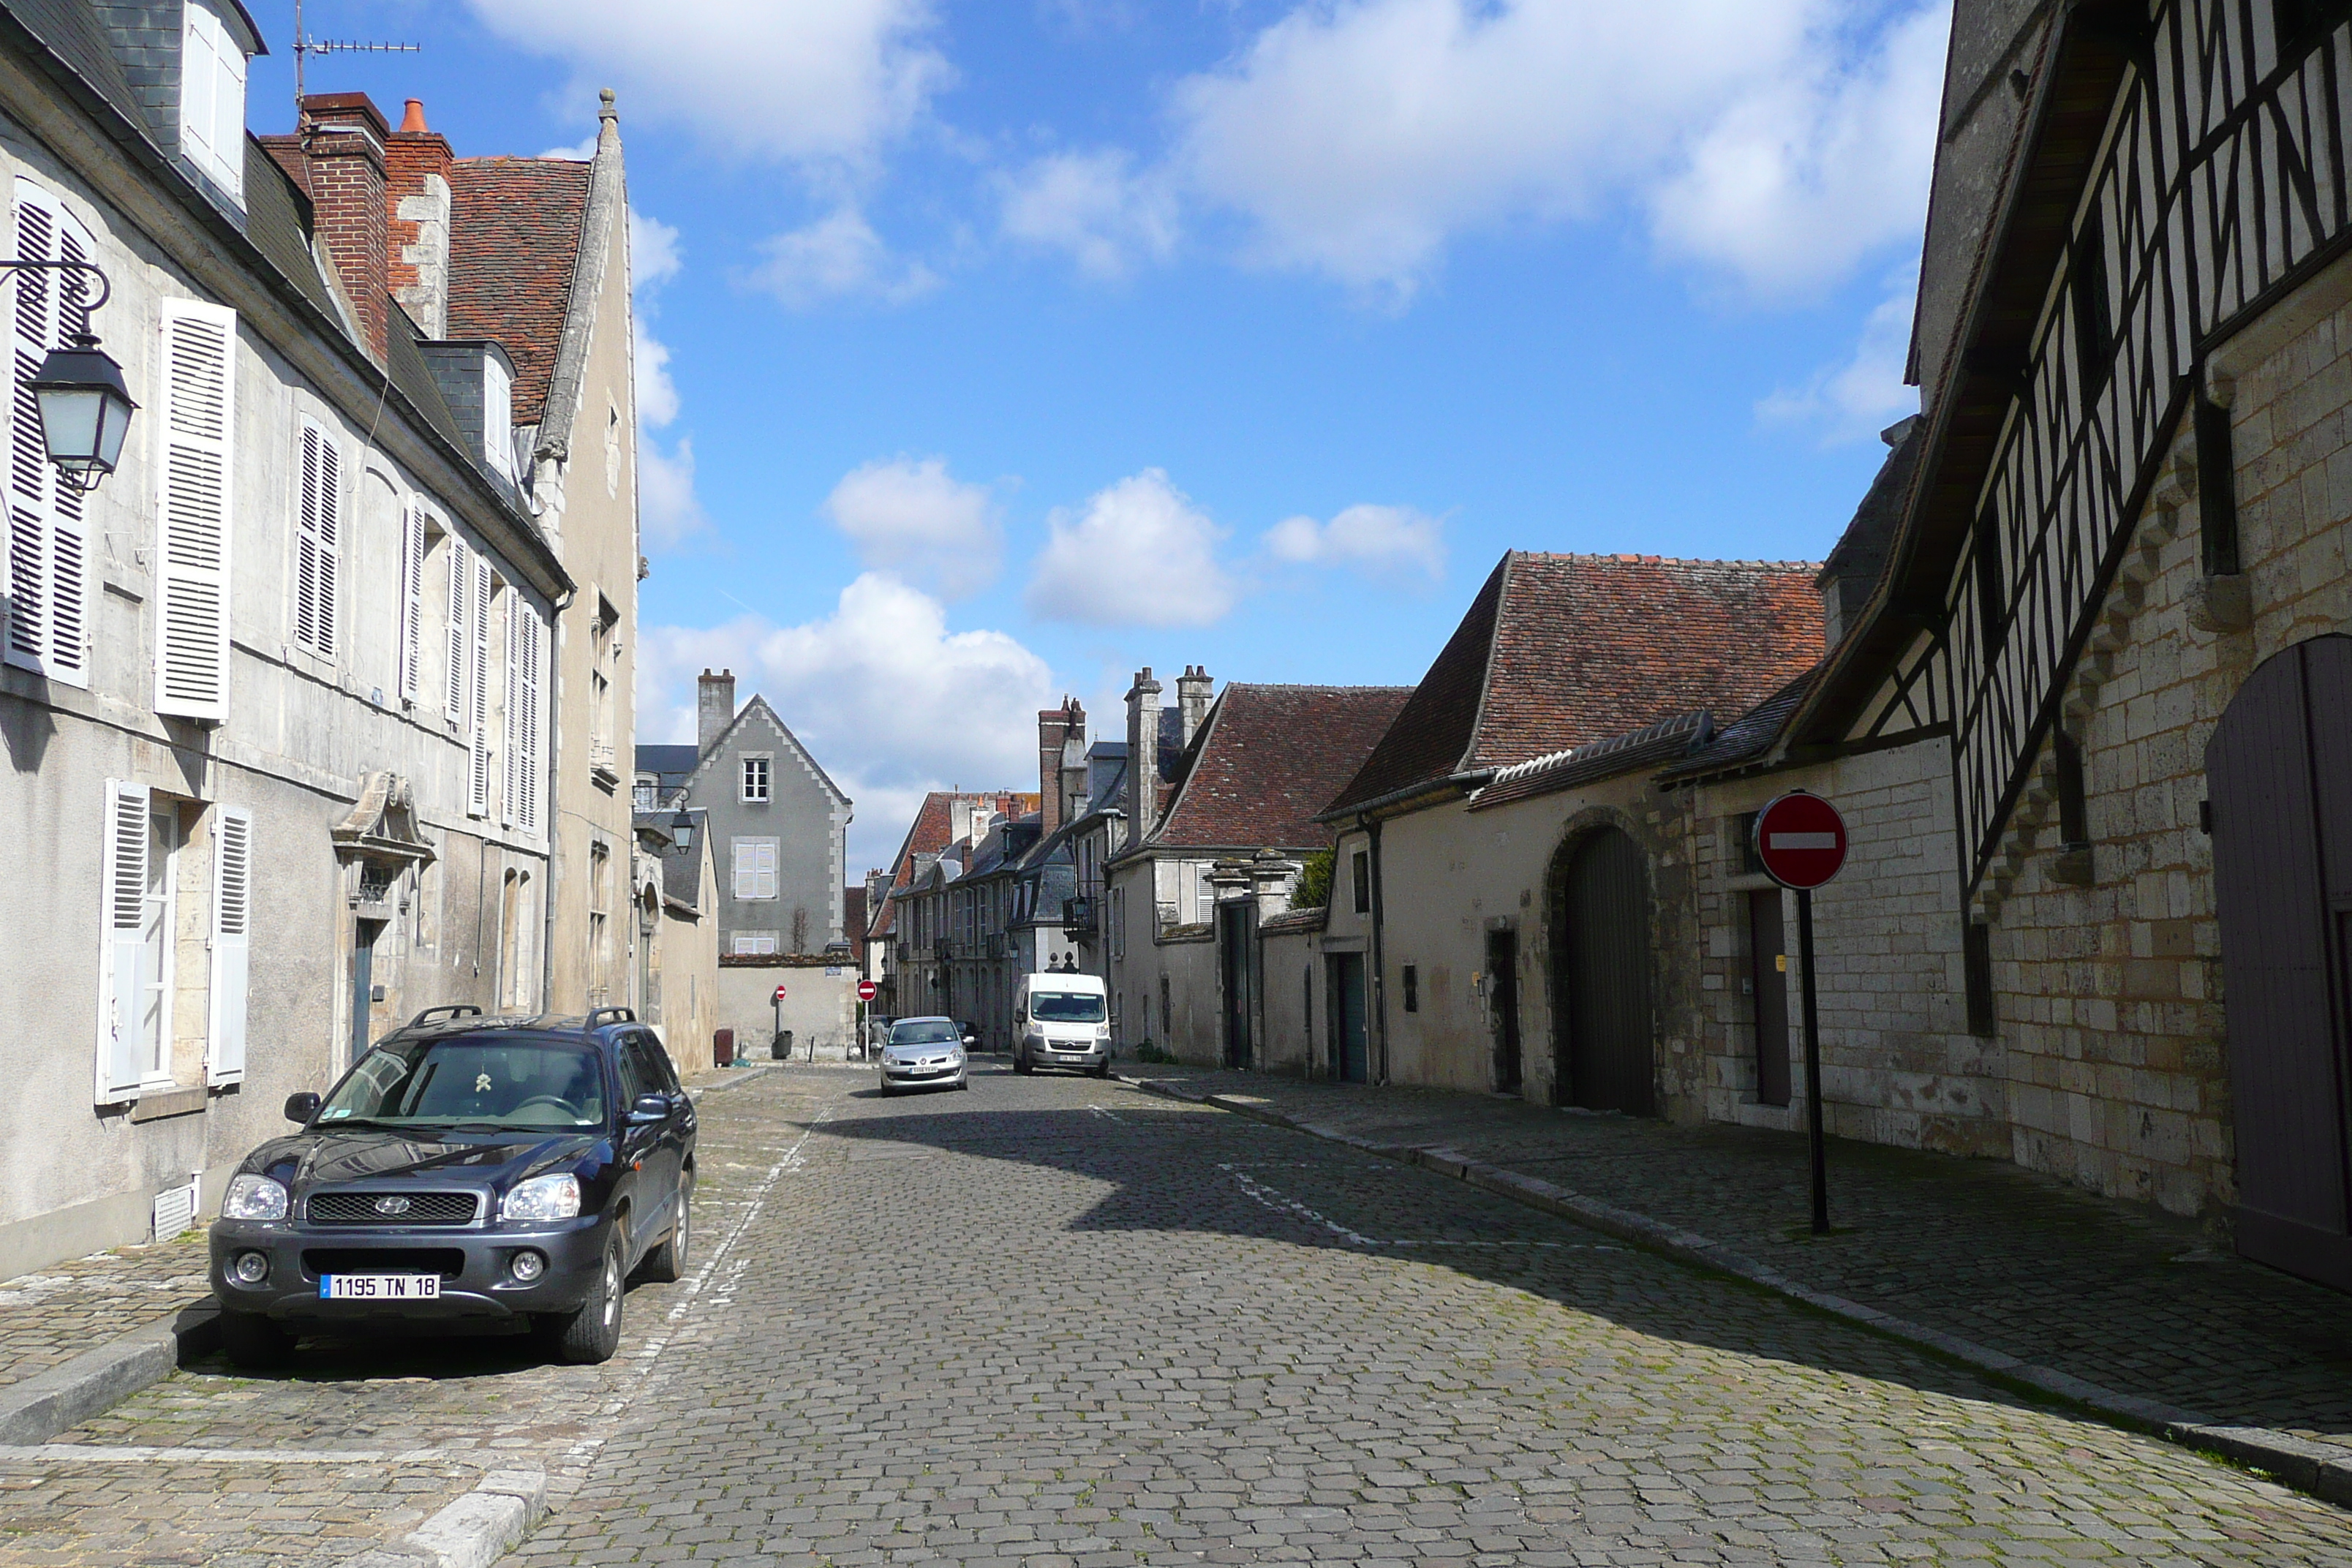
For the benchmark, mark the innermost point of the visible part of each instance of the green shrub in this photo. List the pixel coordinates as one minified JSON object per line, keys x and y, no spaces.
{"x":1313,"y":888}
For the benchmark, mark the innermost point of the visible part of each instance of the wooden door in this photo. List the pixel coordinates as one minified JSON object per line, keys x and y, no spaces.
{"x":1236,"y":980}
{"x":1767,"y":969}
{"x":2279,"y":769}
{"x":1604,"y":1051}
{"x":1502,"y":997}
{"x":1351,"y":1060}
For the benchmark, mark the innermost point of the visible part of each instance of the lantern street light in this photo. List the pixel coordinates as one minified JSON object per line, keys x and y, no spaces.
{"x":85,"y":408}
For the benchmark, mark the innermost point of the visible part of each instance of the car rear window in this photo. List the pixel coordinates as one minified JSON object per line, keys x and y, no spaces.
{"x":499,"y":1082}
{"x":1065,"y":1007}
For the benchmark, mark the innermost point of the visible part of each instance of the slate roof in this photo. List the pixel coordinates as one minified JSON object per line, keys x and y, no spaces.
{"x":1749,"y":738}
{"x":1664,"y":742}
{"x":1266,"y":758}
{"x":515,"y":228}
{"x":670,"y":765}
{"x":1557,"y":651}
{"x":927,"y":835}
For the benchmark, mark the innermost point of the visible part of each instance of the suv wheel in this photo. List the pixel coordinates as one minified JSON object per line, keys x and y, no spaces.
{"x":593,"y":1333}
{"x":666,"y":1264}
{"x":253,"y":1341}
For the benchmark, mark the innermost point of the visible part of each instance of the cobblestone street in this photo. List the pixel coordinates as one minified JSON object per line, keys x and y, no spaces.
{"x":1057,"y":1321}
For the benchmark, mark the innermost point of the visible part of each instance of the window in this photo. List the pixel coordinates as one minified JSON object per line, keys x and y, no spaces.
{"x":498,"y":415}
{"x":1167,"y":1027}
{"x":2073,"y":812}
{"x":1412,"y":977}
{"x":644,"y":796}
{"x":2086,"y":288}
{"x":1359,"y":869}
{"x":755,"y":868}
{"x":318,"y":541}
{"x":211,"y":100}
{"x":1119,"y":922}
{"x":2216,"y":490}
{"x":49,"y":576}
{"x":749,"y":943}
{"x":1976,"y":963}
{"x":144,"y":871}
{"x":600,"y":922}
{"x":1743,"y":850}
{"x":755,"y":779}
{"x":1992,"y":590}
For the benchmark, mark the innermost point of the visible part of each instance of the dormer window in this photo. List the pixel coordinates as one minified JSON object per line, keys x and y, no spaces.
{"x":211,"y":100}
{"x":498,"y":414}
{"x":478,"y":379}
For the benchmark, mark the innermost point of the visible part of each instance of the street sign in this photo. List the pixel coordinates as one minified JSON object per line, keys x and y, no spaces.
{"x":1800,"y":839}
{"x":868,"y":990}
{"x":780,"y":993}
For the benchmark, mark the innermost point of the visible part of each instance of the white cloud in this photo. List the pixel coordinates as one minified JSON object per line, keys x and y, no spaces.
{"x":1139,"y":554}
{"x":1394,"y":541}
{"x":820,"y":82}
{"x":1094,"y":206}
{"x":667,"y":513}
{"x":888,"y":700}
{"x":580,"y":152}
{"x":654,"y":256}
{"x":1865,"y":394}
{"x":657,"y":393}
{"x":839,"y":254}
{"x":913,"y":518}
{"x":1358,"y":137}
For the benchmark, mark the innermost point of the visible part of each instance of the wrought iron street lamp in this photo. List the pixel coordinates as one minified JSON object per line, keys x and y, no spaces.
{"x":85,"y":408}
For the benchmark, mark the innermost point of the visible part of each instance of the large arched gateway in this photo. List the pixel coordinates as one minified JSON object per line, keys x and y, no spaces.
{"x":1604,"y":1055}
{"x":2280,"y":771}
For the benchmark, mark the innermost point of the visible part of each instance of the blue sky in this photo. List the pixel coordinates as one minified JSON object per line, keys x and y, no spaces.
{"x":990,"y":351}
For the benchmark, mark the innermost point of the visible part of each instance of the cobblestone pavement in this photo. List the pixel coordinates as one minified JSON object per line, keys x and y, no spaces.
{"x":360,"y":1441}
{"x":55,"y":1314}
{"x":2118,"y":1294}
{"x":1055,"y":1322}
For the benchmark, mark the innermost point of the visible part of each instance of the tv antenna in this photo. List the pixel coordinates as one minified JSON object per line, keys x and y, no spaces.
{"x":306,"y":45}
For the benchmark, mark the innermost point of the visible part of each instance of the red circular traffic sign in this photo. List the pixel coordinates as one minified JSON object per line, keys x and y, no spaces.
{"x":780,"y":993}
{"x":867,"y":991}
{"x":1801,"y":839}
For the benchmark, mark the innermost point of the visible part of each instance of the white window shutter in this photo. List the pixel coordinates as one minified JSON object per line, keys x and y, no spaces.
{"x":305,"y":540}
{"x":193,"y":493}
{"x":743,"y":878}
{"x":461,"y":576}
{"x":533,"y":713}
{"x":49,"y":581}
{"x":512,"y":758}
{"x":122,"y":883}
{"x":765,"y":881}
{"x":330,"y":540}
{"x":412,"y":601}
{"x":232,"y":943}
{"x":477,"y":787}
{"x":228,"y":116}
{"x":199,"y":81}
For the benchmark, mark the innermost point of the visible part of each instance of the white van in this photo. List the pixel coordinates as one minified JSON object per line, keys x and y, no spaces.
{"x":1062,"y":1021}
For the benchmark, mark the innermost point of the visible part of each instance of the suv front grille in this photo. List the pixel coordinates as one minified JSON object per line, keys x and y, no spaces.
{"x":422,"y":1208}
{"x":445,"y":1261}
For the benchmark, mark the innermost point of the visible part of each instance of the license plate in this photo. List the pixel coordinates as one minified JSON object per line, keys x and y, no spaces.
{"x":379,"y":1287}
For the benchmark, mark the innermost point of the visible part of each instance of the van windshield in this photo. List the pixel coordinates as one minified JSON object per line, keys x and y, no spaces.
{"x":1065,"y":1007}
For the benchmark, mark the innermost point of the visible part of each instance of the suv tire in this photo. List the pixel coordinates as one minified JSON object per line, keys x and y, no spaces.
{"x":253,"y":1342}
{"x":666,"y":1264}
{"x":590,"y":1334}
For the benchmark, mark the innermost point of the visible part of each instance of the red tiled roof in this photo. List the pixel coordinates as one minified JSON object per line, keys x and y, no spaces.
{"x":515,"y":227}
{"x":929,"y":835}
{"x":1268,"y":757}
{"x":1559,"y":650}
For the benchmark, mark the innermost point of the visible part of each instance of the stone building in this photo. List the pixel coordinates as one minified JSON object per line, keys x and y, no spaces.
{"x":916,"y":921}
{"x":279,"y":695}
{"x":676,"y":986}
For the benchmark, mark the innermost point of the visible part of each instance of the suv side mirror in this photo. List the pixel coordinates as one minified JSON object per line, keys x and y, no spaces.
{"x":302,"y":1106}
{"x":648,"y":1109}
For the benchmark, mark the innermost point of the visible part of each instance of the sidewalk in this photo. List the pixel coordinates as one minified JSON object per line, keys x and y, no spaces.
{"x":2127,"y":1309}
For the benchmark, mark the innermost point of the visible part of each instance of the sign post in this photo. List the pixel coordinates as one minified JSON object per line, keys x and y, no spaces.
{"x":1800,"y":839}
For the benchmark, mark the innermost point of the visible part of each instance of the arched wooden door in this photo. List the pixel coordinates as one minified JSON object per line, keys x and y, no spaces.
{"x":2279,"y":768}
{"x":1604,"y":1056}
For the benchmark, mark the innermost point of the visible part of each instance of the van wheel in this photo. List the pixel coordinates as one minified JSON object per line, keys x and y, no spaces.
{"x":253,"y":1342}
{"x":1021,"y":1062}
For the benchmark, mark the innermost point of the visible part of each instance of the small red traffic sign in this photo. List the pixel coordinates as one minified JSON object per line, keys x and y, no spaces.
{"x":1800,"y":839}
{"x":780,"y":993}
{"x":867,"y":991}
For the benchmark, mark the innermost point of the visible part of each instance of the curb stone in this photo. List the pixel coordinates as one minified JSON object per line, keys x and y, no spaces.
{"x":2322,"y":1470}
{"x":41,"y":1407}
{"x":474,"y":1531}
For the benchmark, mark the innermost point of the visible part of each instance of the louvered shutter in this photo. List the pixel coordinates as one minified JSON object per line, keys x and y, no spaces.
{"x":477,"y":786}
{"x":763,"y":879}
{"x":193,"y":490}
{"x":511,"y":754}
{"x":461,"y":574}
{"x":309,"y":626}
{"x":412,"y":601}
{"x":122,"y":881}
{"x":743,"y":864}
{"x":534,"y":656}
{"x":232,"y":943}
{"x":47,"y":619}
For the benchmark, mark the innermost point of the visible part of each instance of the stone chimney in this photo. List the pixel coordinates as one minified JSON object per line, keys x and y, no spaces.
{"x":1052,"y":730}
{"x":714,"y":707}
{"x":343,"y":137}
{"x":1142,"y":756}
{"x":1073,"y":762}
{"x":1192,"y":689}
{"x":417,"y":189}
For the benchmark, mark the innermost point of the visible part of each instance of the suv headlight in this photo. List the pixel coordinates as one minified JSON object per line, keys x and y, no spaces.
{"x":542,"y":1197}
{"x":253,"y":1197}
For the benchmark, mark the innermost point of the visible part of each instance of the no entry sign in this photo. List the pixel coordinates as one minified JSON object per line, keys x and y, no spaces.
{"x":780,"y":993}
{"x":868,"y":990}
{"x":1800,"y":839}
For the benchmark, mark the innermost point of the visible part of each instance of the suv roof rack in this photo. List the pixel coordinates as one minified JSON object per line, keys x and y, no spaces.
{"x":453,"y":1010}
{"x":600,"y":1016}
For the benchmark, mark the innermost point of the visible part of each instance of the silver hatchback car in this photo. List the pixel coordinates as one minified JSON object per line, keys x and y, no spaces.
{"x":923,"y":1052}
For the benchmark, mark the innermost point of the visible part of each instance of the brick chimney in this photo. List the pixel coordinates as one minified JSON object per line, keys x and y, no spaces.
{"x":1192,"y":689}
{"x":343,"y":136}
{"x":714,"y":707}
{"x":1052,"y":730}
{"x":416,"y":191}
{"x":1142,"y":756}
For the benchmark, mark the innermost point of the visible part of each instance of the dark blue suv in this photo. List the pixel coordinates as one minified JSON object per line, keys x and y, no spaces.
{"x":467,"y":1172}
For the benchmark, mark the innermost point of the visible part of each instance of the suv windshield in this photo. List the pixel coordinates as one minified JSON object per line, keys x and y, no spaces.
{"x":500,"y":1080}
{"x":1065,"y":1008}
{"x":926,"y":1032}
